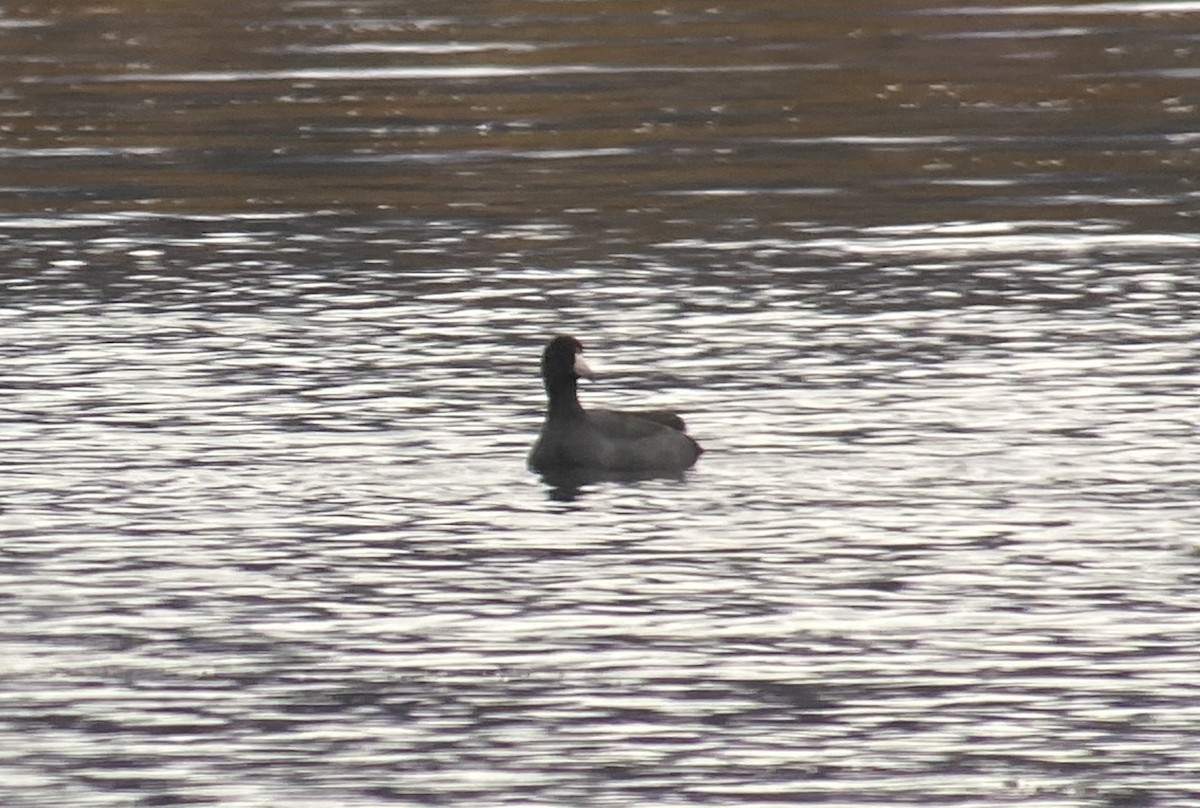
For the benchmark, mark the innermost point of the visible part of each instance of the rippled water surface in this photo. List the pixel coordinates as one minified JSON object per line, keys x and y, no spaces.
{"x":274,"y":279}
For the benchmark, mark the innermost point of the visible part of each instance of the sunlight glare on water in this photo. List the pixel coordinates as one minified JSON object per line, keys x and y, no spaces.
{"x":274,"y":282}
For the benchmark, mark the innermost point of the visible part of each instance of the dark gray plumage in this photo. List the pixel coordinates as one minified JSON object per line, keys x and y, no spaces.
{"x":605,"y":440}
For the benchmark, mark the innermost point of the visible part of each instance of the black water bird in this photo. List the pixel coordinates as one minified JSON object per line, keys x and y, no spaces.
{"x":636,"y":442}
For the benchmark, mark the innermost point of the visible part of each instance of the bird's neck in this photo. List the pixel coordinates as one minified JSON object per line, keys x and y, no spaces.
{"x":564,"y":398}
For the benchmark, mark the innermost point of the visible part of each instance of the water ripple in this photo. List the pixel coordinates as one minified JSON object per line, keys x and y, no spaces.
{"x":273,"y":286}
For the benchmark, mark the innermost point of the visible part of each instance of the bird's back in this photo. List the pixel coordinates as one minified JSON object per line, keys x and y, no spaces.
{"x":611,"y":439}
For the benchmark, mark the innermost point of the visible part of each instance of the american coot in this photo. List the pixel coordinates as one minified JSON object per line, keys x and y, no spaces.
{"x":602,"y":440}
